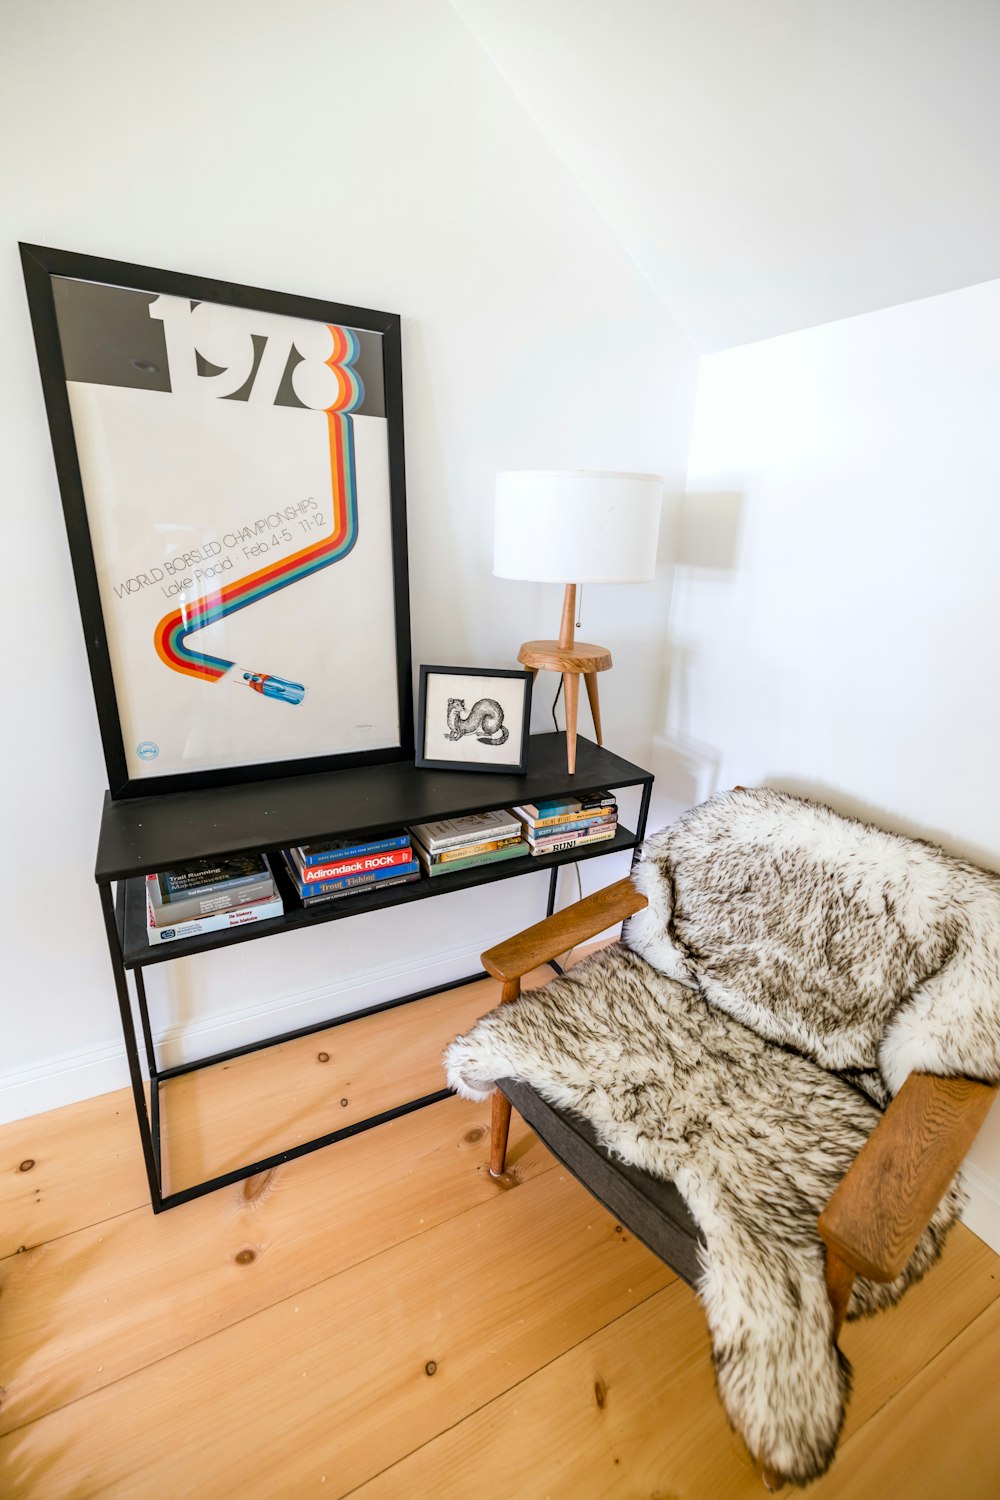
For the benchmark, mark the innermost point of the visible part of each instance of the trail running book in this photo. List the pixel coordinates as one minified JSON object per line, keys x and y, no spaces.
{"x":187,"y":908}
{"x":203,"y":877}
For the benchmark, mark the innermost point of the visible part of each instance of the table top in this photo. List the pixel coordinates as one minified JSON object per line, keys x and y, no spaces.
{"x":142,"y":834}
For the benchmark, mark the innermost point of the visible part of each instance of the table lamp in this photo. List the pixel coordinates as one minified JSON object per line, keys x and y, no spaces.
{"x":553,"y":526}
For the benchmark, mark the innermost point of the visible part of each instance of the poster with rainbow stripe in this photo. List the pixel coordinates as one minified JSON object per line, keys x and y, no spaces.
{"x":235,"y":464}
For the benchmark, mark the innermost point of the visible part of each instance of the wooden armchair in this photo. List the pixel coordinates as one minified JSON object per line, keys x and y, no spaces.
{"x":872,"y":1222}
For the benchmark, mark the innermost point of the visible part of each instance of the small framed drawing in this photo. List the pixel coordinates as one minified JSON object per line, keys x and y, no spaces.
{"x":473,"y":719}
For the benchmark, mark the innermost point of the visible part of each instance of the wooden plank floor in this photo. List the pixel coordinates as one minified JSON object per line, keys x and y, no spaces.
{"x":382,"y":1320}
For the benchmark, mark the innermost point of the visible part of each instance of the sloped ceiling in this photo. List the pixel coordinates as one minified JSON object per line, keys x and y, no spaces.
{"x":771,"y":164}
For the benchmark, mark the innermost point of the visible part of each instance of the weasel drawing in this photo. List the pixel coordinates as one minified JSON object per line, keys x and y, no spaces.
{"x":484,"y":720}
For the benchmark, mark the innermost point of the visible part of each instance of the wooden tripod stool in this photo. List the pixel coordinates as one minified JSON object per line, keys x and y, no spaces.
{"x":573,"y":659}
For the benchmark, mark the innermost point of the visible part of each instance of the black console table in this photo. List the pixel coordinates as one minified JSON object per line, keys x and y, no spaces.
{"x":143,"y":835}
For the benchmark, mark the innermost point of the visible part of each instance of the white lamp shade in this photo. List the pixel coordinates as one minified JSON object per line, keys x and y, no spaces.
{"x":576,"y":526}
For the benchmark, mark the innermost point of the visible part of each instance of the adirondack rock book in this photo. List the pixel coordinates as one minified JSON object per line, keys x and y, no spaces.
{"x":357,"y":864}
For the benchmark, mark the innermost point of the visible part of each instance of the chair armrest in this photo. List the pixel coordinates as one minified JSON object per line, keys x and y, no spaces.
{"x":898,"y":1178}
{"x":563,"y":930}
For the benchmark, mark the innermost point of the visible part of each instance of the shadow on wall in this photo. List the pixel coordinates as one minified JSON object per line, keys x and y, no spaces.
{"x":879,"y":817}
{"x":709,"y":534}
{"x":710,"y":529}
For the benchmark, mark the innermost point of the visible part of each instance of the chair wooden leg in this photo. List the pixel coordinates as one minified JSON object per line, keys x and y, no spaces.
{"x":590,"y":678}
{"x":839,"y":1279}
{"x":499,"y":1129}
{"x":571,"y":693}
{"x":500,"y":1122}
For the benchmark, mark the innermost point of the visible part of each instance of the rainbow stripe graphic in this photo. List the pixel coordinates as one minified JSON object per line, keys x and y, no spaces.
{"x":171,"y":634}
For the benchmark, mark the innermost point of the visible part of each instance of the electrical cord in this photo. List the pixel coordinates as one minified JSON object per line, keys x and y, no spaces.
{"x":576,"y":867}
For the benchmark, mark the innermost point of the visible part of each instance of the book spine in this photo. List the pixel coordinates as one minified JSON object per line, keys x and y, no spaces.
{"x":208,"y":888}
{"x":242,"y":916}
{"x":473,"y":849}
{"x":509,"y":852}
{"x":571,"y":823}
{"x":508,"y":831}
{"x":557,"y":845}
{"x":572,"y":804}
{"x":354,"y":891}
{"x":354,"y":882}
{"x":186,"y":909}
{"x":322,"y":855}
{"x":363,"y":865}
{"x":576,"y":831}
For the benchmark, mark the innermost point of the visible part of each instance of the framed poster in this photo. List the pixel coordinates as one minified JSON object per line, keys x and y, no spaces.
{"x":231,"y":469}
{"x":473,"y":719}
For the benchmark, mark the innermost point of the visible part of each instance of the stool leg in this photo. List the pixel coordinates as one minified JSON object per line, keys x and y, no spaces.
{"x":595,"y":708}
{"x":571,"y":692}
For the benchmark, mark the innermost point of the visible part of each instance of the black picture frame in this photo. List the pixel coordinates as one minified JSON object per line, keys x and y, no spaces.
{"x":515,"y":762}
{"x":41,"y":266}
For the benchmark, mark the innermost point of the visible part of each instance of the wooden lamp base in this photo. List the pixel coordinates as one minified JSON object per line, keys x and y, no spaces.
{"x":573,"y":659}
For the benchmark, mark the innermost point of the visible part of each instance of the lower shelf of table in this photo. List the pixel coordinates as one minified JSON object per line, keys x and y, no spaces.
{"x":265,"y":1107}
{"x":131,"y":912}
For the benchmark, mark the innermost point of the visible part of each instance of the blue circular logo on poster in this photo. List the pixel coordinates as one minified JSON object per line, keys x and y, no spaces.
{"x":147,"y":750}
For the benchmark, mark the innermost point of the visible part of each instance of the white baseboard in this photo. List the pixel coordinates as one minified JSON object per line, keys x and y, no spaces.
{"x":80,"y":1075}
{"x":982,"y":1215}
{"x":61,"y":1080}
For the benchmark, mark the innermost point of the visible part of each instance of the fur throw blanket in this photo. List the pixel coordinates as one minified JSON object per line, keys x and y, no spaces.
{"x":770,"y":920}
{"x":866,"y":951}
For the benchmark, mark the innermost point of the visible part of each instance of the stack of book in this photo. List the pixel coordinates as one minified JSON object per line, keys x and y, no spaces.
{"x":210,"y":895}
{"x":455,"y":844}
{"x":341,"y":867}
{"x":558,"y":823}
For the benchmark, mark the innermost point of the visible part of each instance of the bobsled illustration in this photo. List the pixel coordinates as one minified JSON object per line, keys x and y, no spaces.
{"x":274,"y":687}
{"x":171,"y":634}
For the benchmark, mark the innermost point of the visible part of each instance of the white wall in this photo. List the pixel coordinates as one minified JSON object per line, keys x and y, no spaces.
{"x":367,"y":152}
{"x":836,"y":620}
{"x":771,"y":165}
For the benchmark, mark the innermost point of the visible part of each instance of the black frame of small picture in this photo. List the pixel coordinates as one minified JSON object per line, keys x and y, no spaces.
{"x":514,"y":766}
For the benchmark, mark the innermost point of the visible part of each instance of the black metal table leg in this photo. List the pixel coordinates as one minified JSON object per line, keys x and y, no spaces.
{"x":131,"y":1047}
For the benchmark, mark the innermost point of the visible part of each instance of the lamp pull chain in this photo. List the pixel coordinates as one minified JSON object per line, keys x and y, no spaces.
{"x":579,"y":608}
